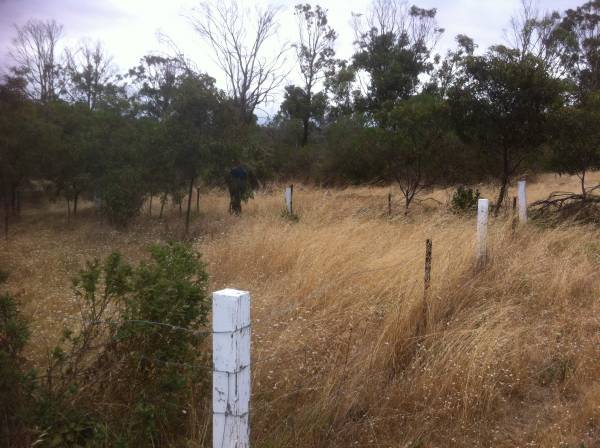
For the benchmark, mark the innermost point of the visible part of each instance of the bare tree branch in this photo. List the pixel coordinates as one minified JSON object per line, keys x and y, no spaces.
{"x":534,"y":33}
{"x":34,"y":51}
{"x":90,"y":72}
{"x":252,"y":68}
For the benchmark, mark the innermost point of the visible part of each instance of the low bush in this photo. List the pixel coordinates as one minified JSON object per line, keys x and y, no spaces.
{"x":16,"y":381}
{"x":130,"y":371}
{"x":464,"y":200}
{"x":122,"y":196}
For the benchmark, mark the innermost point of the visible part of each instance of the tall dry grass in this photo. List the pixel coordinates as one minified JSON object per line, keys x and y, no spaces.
{"x":347,"y":349}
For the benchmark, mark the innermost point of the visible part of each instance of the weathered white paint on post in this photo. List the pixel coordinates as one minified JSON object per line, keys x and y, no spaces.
{"x":231,"y":368}
{"x":289,"y":193}
{"x":483,"y":206}
{"x":522,"y":200}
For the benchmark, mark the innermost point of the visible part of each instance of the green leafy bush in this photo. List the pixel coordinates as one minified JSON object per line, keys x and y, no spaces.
{"x":464,"y":200}
{"x":16,"y":382}
{"x":122,"y":195}
{"x":126,"y":377}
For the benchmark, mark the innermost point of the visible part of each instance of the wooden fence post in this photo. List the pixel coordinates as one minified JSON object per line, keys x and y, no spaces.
{"x":289,"y":193}
{"x":522,"y":194}
{"x":428,"y":249}
{"x":231,"y":369}
{"x":483,"y":206}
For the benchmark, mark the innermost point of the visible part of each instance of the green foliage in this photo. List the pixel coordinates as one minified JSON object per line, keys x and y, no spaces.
{"x":499,"y":104}
{"x":414,"y":132}
{"x":464,"y":200}
{"x":579,"y":39}
{"x":372,"y":118}
{"x":122,"y":195}
{"x":393,"y":54}
{"x":73,"y":151}
{"x":315,"y":52}
{"x":126,"y":376}
{"x":16,"y":381}
{"x":575,"y":139}
{"x":23,"y":136}
{"x":350,"y":155}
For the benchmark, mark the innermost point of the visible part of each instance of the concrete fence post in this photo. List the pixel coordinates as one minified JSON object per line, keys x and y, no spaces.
{"x":289,"y":193}
{"x":522,"y":195}
{"x":483,"y":206}
{"x":231,"y":369}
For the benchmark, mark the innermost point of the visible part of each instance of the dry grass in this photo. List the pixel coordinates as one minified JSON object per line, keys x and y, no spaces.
{"x":346,"y":350}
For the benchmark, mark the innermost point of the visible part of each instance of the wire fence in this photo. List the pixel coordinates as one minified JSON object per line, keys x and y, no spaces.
{"x":202,"y":332}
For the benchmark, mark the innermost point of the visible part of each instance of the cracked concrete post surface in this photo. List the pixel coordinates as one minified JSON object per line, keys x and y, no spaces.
{"x":483,"y":206}
{"x":231,"y":368}
{"x":289,"y":195}
{"x":522,"y":195}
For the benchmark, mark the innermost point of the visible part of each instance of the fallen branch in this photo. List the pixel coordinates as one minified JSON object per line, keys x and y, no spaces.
{"x":562,"y":205}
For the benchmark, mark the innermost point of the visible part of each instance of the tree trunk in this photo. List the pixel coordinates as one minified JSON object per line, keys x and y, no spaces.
{"x":18,"y":195}
{"x":503,"y":189}
{"x":409,"y":194}
{"x":305,"y":129}
{"x":198,"y":201}
{"x":75,"y":201}
{"x":13,"y":199}
{"x":6,"y":212}
{"x":162,"y":205}
{"x":150,"y":207}
{"x":582,"y":178}
{"x":68,"y":211}
{"x":505,"y":180}
{"x":189,"y":205}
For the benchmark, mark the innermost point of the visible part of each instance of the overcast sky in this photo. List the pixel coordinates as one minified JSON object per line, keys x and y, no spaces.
{"x":129,"y":28}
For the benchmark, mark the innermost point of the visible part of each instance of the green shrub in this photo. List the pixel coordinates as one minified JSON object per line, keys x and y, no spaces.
{"x":16,"y":382}
{"x":464,"y":200}
{"x":125,"y":378}
{"x":122,"y":196}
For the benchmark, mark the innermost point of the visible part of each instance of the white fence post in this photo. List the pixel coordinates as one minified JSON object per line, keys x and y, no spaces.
{"x":483,"y":206}
{"x":231,"y":368}
{"x":289,"y":192}
{"x":522,"y":194}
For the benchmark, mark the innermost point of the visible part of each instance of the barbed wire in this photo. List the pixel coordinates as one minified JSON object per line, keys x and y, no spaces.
{"x":137,"y":321}
{"x":207,"y":332}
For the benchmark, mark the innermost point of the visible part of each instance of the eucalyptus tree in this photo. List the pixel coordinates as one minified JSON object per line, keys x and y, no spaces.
{"x":394,"y":44}
{"x":315,"y":52}
{"x":575,"y":140}
{"x":196,"y":126}
{"x":156,"y":81}
{"x":500,"y":103}
{"x":582,"y":54}
{"x":412,"y":143}
{"x":22,"y":138}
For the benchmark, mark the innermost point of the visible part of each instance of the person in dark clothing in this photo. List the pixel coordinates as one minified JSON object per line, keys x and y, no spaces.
{"x":237,"y":184}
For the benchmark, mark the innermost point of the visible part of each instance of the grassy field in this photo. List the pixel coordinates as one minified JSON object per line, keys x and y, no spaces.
{"x":346,"y":350}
